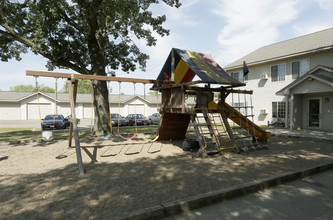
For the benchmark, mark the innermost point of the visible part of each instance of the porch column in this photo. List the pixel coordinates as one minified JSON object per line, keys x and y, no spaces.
{"x":287,"y":112}
{"x":291,"y":99}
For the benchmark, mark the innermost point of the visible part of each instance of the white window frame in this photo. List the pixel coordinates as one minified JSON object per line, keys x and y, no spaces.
{"x":278,"y":106}
{"x":240,"y":77}
{"x":280,"y":77}
{"x":300,"y":73}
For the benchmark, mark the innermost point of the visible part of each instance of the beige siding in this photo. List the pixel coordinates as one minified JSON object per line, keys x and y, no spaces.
{"x":323,"y":58}
{"x":313,"y":86}
{"x":326,"y":106}
{"x":153,"y":108}
{"x":64,"y":109}
{"x":138,"y":109}
{"x":34,"y":109}
{"x":10,"y":111}
{"x":327,"y":111}
{"x":88,"y":111}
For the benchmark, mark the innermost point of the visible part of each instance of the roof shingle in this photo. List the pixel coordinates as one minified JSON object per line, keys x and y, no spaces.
{"x":317,"y":41}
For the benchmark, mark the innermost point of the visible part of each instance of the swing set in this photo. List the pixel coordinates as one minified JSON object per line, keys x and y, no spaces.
{"x":211,"y":116}
{"x":72,"y":82}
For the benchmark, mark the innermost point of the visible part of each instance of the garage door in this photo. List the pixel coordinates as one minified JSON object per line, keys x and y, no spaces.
{"x":10,"y":111}
{"x":33,"y":111}
{"x":139,"y":109}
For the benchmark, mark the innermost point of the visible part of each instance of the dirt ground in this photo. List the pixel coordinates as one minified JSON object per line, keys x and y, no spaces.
{"x":132,"y":174}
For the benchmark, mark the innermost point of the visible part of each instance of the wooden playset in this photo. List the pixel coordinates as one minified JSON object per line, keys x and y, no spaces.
{"x":209,"y":118}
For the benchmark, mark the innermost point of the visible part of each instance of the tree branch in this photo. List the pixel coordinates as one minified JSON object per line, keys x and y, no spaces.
{"x":13,"y":35}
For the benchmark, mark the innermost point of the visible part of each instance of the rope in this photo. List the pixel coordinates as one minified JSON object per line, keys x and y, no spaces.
{"x":136,"y":127}
{"x":144,"y":96}
{"x":40,"y":118}
{"x":109,"y":108}
{"x":119,"y":106}
{"x":92,"y":113}
{"x":157,"y":102}
{"x":55,"y":101}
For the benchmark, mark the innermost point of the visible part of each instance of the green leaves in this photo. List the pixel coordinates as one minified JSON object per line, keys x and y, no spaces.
{"x":30,"y":88}
{"x":84,"y":87}
{"x":85,"y":36}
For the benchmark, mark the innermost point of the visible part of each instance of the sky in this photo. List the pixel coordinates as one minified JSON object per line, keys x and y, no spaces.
{"x":227,"y":30}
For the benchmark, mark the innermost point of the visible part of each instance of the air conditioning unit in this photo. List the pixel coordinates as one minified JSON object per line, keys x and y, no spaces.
{"x":263,"y":112}
{"x":264,"y":76}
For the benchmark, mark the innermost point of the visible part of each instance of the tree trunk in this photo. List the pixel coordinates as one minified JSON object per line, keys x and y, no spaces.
{"x":101,"y":107}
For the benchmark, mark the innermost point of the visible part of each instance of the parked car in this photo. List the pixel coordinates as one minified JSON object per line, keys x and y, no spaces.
{"x":140,"y":119}
{"x":155,"y":118}
{"x":114,"y":120}
{"x":54,"y":122}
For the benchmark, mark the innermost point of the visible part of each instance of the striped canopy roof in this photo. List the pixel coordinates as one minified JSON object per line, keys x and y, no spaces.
{"x":187,"y":64}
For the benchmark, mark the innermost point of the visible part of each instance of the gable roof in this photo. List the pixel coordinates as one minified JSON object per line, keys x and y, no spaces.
{"x":8,"y":96}
{"x":324,"y":78}
{"x":188,"y":64}
{"x":318,"y":41}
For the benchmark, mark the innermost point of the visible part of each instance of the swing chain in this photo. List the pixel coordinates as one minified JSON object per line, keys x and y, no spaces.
{"x":119,"y":105}
{"x":55,"y":100}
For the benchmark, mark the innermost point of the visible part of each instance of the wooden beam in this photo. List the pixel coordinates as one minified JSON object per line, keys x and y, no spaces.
{"x":178,"y":85}
{"x":194,"y":88}
{"x":75,"y":128}
{"x":93,"y":77}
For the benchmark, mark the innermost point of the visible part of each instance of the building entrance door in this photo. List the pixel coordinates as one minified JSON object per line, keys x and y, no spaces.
{"x":314,"y":113}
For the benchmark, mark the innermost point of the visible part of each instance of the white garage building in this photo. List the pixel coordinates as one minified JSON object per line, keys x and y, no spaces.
{"x":26,"y":106}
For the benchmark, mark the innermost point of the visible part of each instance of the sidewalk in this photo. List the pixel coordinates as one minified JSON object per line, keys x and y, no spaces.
{"x":206,"y":199}
{"x":313,"y":134}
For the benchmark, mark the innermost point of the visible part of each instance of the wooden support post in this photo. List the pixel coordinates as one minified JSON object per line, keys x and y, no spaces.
{"x":71,"y":124}
{"x":72,"y":99}
{"x":228,"y":128}
{"x":201,"y":152}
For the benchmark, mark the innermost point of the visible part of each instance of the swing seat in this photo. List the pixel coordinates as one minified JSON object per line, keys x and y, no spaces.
{"x":127,"y":138}
{"x":105,"y":137}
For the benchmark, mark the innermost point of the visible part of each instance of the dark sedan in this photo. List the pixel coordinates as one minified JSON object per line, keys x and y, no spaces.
{"x":140,"y":119}
{"x":115,"y":118}
{"x":54,"y":122}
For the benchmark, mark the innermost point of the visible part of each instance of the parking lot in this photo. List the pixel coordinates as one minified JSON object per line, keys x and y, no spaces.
{"x":34,"y":123}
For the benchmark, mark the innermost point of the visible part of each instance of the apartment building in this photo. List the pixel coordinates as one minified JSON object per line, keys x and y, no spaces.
{"x":292,"y":81}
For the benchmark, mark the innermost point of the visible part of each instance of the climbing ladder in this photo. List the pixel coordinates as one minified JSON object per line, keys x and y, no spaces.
{"x":220,"y":130}
{"x":211,"y":132}
{"x":245,"y":132}
{"x":205,"y":133}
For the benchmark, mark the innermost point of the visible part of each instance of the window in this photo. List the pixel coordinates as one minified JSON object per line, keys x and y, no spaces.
{"x":299,"y":68}
{"x":278,"y":72}
{"x":240,"y":76}
{"x":279,"y":109}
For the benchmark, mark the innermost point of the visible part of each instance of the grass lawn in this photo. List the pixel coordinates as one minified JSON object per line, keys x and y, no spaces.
{"x":22,"y":134}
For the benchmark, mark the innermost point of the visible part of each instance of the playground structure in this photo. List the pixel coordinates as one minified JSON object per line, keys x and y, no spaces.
{"x":210,"y":117}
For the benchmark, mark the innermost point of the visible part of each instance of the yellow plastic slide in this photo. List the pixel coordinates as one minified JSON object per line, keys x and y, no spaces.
{"x":245,"y":123}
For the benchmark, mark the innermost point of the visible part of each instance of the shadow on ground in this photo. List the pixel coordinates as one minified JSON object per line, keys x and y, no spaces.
{"x":113,"y":190}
